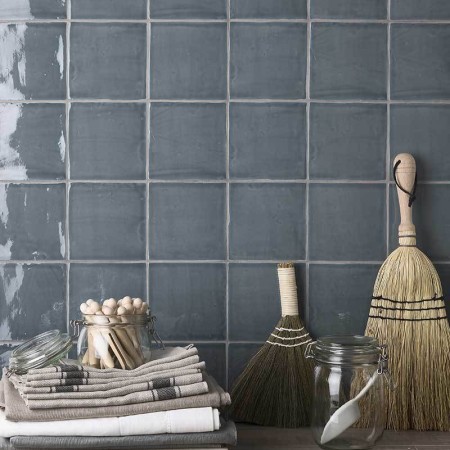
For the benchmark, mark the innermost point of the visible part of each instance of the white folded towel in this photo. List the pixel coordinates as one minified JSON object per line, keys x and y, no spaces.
{"x":192,"y":420}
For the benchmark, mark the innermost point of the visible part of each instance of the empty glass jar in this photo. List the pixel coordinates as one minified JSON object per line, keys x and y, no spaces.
{"x":122,"y":342}
{"x":349,"y":400}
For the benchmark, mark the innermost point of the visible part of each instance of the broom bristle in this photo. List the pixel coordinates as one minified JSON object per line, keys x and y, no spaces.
{"x":276,"y":388}
{"x":408,"y":314}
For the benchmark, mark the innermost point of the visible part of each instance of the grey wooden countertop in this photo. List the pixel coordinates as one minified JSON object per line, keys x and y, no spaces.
{"x":251,"y":437}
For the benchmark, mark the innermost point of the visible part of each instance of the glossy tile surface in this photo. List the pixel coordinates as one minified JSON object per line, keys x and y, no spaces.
{"x":431,"y":218}
{"x":107,"y":141}
{"x":188,"y":141}
{"x":340,"y":296}
{"x":32,"y":221}
{"x":419,"y":62}
{"x":34,"y":9}
{"x":348,"y":61}
{"x":254,"y":294}
{"x":348,"y":142}
{"x":268,"y":9}
{"x":187,"y":221}
{"x":256,"y":130}
{"x":109,"y":9}
{"x":32,"y":300}
{"x":417,"y":9}
{"x":188,"y":61}
{"x":32,"y":141}
{"x":267,"y":221}
{"x":108,"y":60}
{"x":102,"y":281}
{"x":107,"y":221}
{"x":337,"y":235}
{"x":424,"y":131}
{"x":349,"y":9}
{"x":189,"y":300}
{"x":264,"y":61}
{"x":188,"y":9}
{"x":33,"y":61}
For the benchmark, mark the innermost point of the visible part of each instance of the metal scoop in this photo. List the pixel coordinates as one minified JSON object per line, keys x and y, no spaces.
{"x":346,"y":415}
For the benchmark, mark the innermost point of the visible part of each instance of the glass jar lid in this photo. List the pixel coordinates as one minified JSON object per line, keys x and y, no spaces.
{"x":41,"y":351}
{"x":345,"y":350}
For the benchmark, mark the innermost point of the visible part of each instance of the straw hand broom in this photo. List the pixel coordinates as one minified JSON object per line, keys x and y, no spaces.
{"x":408,"y":313}
{"x":275,"y":388}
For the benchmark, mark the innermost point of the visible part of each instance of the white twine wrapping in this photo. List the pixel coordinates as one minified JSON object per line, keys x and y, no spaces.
{"x":288,"y":291}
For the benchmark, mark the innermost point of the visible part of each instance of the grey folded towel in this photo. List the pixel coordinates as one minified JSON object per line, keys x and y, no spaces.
{"x":227,"y":435}
{"x":108,"y":391}
{"x":16,"y":409}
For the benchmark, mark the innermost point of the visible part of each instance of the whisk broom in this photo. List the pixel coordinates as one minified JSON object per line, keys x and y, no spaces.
{"x":275,"y":388}
{"x":408,"y":313}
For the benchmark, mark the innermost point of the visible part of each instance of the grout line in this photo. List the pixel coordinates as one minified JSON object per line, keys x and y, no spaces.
{"x":308,"y":109}
{"x":236,"y":100}
{"x":246,"y":20}
{"x":227,"y":224}
{"x":208,"y":181}
{"x":67,"y":165}
{"x":388,"y":127}
{"x":147,"y":158}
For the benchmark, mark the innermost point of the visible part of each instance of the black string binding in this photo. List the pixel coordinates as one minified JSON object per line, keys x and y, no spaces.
{"x":411,"y":195}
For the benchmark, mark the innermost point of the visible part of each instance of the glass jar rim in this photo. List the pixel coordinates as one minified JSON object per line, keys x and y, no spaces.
{"x":116,"y":320}
{"x":346,"y":350}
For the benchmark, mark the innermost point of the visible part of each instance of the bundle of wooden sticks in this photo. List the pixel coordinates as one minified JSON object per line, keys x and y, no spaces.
{"x":114,"y":333}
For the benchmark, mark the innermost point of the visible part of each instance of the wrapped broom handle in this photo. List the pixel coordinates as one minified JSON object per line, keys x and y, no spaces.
{"x":288,"y":289}
{"x":405,"y":178}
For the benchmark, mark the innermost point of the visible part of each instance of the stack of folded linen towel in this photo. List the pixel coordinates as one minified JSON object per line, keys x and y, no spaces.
{"x":168,"y":402}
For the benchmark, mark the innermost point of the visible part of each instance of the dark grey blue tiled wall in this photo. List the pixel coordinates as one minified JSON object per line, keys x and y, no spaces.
{"x":178,"y":149}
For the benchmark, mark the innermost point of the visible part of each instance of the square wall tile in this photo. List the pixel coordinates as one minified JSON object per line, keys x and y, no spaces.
{"x":102,"y":281}
{"x":419,"y":62}
{"x":268,"y":60}
{"x":254,"y":300}
{"x":109,"y":9}
{"x":267,"y":140}
{"x":238,"y":356}
{"x":337,"y":220}
{"x":32,"y":300}
{"x":339,"y":298}
{"x":188,"y":140}
{"x":348,"y":141}
{"x":214,"y":356}
{"x":267,"y":221}
{"x":423,"y":131}
{"x":188,"y":300}
{"x":107,"y":221}
{"x":349,"y":9}
{"x":431,"y":216}
{"x":33,"y":61}
{"x":348,"y":61}
{"x":32,"y":221}
{"x":188,"y":61}
{"x":33,"y":141}
{"x":188,"y":9}
{"x":187,"y":221}
{"x":36,"y":9}
{"x":108,"y":60}
{"x":268,"y":9}
{"x":107,"y":141}
{"x":418,"y":9}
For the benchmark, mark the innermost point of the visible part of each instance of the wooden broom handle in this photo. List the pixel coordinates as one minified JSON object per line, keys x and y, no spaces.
{"x":288,"y":290}
{"x":406,"y":175}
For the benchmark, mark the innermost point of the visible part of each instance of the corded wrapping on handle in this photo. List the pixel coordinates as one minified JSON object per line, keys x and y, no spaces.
{"x":288,"y":291}
{"x":412,"y":194}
